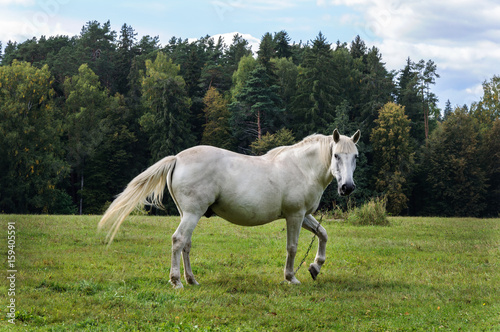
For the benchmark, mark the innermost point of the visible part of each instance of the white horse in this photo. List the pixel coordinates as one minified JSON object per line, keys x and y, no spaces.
{"x":287,"y":182}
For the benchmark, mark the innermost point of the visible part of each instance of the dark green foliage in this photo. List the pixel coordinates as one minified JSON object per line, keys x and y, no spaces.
{"x":31,"y":162}
{"x":491,"y":164}
{"x":108,"y":113}
{"x":167,"y":121}
{"x":256,"y":110}
{"x":315,"y":101}
{"x":455,"y":179}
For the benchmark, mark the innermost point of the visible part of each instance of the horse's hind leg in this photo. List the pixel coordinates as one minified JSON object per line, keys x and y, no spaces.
{"x":313,"y":226}
{"x":181,"y":239}
{"x":188,"y":273}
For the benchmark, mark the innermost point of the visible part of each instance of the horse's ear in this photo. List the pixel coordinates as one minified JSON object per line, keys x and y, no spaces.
{"x":336,"y":136}
{"x":356,"y":136}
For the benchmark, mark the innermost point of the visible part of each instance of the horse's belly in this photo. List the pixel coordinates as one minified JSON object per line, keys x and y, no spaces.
{"x":246,"y":213}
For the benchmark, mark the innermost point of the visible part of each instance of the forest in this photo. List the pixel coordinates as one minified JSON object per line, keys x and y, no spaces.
{"x":80,"y":116}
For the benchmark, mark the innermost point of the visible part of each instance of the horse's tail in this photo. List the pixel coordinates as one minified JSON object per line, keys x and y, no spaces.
{"x":146,"y":188}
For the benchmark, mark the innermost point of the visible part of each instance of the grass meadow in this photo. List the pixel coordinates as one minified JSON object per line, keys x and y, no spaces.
{"x":418,"y":274}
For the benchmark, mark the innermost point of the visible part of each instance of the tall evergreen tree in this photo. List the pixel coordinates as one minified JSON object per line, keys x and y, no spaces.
{"x":97,"y":43}
{"x":282,"y":44}
{"x":238,"y":49}
{"x":125,"y":53}
{"x":257,"y":108}
{"x":358,"y":48}
{"x":167,"y":121}
{"x":314,"y":104}
{"x":9,"y":54}
{"x":447,"y":110}
{"x":420,"y":102}
{"x":266,"y":52}
{"x":215,"y":72}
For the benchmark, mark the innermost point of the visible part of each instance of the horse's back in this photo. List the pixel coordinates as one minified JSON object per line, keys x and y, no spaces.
{"x":242,"y":189}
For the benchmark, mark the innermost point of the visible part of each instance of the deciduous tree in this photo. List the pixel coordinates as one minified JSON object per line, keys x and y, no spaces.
{"x":393,"y":156}
{"x":217,"y":130}
{"x":31,"y":166}
{"x":455,"y":178}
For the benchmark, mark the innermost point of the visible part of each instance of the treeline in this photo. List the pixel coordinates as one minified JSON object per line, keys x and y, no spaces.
{"x":82,"y":115}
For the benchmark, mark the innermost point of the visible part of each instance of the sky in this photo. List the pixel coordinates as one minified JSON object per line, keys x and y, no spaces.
{"x":462,"y":37}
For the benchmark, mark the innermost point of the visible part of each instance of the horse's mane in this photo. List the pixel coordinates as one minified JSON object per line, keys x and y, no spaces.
{"x":327,"y":146}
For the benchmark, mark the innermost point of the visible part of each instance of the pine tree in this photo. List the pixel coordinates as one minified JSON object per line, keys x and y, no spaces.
{"x":96,"y":44}
{"x":282,"y":44}
{"x":257,"y":108}
{"x":267,"y":50}
{"x":447,"y":110}
{"x":414,"y":93}
{"x":314,"y":104}
{"x":124,"y":55}
{"x":358,"y":48}
{"x":167,"y":121}
{"x":237,"y":50}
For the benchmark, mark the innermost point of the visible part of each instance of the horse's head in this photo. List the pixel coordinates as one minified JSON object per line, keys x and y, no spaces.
{"x":344,"y":154}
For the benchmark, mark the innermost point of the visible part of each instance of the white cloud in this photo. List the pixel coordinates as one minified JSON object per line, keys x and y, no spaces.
{"x":17,"y":2}
{"x":228,"y":39}
{"x":460,"y":36}
{"x":34,"y":20}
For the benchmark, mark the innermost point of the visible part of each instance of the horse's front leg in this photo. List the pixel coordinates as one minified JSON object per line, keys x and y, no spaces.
{"x":293,"y":225}
{"x":313,"y":226}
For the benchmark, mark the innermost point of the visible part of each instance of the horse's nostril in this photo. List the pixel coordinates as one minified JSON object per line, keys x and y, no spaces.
{"x":346,"y":189}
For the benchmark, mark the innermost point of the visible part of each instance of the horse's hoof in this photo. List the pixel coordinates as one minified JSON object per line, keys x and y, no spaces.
{"x":314,"y":270}
{"x":293,"y":281}
{"x":176,"y":284}
{"x":193,"y":282}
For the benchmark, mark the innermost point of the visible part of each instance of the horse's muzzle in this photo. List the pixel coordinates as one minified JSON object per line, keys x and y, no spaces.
{"x":346,"y":189}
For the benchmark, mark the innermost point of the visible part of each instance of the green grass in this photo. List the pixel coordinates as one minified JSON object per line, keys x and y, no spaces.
{"x":419,"y":274}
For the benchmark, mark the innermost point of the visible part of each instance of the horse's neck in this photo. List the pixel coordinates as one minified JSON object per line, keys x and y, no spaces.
{"x":314,"y":161}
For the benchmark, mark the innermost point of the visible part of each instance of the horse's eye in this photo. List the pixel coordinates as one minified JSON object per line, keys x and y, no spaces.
{"x":337,"y":156}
